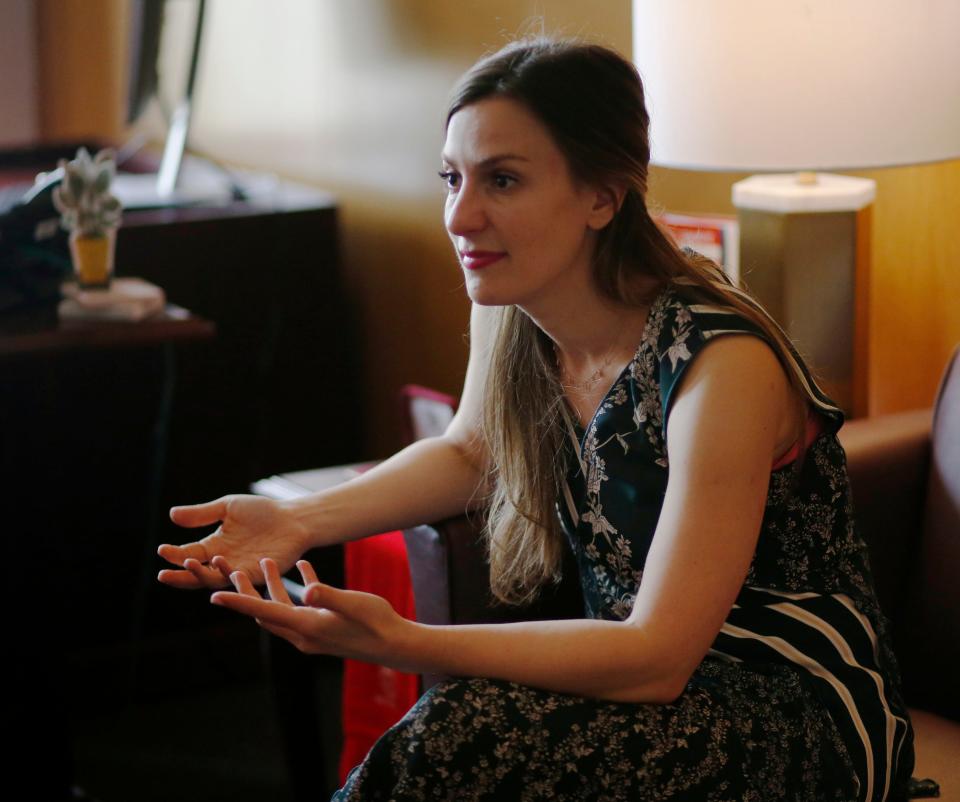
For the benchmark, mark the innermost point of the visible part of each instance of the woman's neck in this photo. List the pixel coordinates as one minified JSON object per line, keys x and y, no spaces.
{"x":591,"y":333}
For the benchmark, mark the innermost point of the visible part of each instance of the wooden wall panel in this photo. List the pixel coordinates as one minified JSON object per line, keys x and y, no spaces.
{"x":81,"y":50}
{"x":915,"y":283}
{"x":862,"y":317}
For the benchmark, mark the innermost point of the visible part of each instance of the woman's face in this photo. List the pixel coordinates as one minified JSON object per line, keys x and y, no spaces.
{"x":524,"y":231}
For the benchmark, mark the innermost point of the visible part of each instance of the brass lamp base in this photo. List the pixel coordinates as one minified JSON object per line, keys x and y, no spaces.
{"x":810,"y":269}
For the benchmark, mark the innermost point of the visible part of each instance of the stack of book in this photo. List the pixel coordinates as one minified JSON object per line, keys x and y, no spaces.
{"x":129,"y":299}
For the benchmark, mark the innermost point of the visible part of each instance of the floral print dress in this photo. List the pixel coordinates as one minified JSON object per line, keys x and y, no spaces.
{"x":798,"y":698}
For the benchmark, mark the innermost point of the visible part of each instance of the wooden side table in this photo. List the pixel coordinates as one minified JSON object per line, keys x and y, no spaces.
{"x":84,"y":412}
{"x":36,"y":332}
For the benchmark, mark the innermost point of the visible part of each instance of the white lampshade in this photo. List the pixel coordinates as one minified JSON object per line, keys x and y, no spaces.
{"x":800,"y":84}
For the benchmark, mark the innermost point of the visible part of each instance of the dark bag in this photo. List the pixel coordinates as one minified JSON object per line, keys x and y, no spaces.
{"x":34,"y":256}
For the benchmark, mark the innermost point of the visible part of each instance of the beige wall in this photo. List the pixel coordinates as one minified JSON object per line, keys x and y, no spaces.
{"x":348,"y":95}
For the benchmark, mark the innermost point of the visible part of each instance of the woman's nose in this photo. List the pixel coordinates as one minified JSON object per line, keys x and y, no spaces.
{"x":464,"y":212}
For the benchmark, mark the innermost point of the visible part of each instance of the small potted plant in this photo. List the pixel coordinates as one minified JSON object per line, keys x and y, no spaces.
{"x":91,"y":215}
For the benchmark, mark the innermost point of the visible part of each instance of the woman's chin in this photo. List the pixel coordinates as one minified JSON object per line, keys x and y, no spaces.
{"x":480,"y":293}
{"x":483,"y":300}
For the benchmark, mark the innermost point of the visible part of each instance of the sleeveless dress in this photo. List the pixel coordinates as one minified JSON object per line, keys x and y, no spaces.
{"x":798,"y":698}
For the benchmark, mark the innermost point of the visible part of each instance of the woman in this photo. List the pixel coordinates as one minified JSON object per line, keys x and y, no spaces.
{"x":621,"y":395}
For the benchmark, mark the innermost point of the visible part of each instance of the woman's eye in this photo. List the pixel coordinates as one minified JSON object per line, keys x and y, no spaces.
{"x":450,"y":178}
{"x":503,"y":181}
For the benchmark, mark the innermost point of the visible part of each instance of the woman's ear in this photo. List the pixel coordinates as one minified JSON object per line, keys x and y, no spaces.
{"x":606,"y":204}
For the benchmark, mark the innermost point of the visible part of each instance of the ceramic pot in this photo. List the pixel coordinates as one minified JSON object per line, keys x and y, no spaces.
{"x":93,"y":259}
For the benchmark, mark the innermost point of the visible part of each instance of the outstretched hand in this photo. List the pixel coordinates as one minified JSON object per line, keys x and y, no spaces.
{"x":343,"y":623}
{"x":250,"y":528}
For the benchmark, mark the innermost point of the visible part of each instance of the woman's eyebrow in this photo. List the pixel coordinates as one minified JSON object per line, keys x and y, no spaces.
{"x":490,"y":161}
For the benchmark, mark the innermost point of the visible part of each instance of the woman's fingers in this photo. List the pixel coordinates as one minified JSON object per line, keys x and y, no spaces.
{"x":220,"y":564}
{"x":200,"y":514}
{"x":245,"y":587}
{"x":243,"y":584}
{"x":318,"y":594}
{"x":294,"y":624}
{"x":267,"y":612}
{"x":207,"y":577}
{"x":179,"y":579}
{"x":274,"y":581}
{"x":313,"y":595}
{"x":196,"y":574}
{"x":177,"y":554}
{"x":307,"y":572}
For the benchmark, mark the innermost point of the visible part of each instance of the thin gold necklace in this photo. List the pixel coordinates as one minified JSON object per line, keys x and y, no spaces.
{"x":583,"y":385}
{"x":567,"y":383}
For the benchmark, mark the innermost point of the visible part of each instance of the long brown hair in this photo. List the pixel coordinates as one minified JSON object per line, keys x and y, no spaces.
{"x":591,"y":101}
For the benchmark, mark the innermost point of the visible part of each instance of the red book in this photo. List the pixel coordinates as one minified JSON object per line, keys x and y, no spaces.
{"x":374,"y":697}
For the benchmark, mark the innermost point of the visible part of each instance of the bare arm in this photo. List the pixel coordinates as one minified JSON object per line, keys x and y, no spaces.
{"x":433,"y":479}
{"x":430,"y":480}
{"x":723,"y":436}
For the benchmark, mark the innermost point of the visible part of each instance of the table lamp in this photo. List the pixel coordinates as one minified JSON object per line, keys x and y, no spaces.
{"x":818,"y":85}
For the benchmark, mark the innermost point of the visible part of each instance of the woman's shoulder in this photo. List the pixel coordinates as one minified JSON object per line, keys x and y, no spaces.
{"x":681,"y":314}
{"x":684,"y":323}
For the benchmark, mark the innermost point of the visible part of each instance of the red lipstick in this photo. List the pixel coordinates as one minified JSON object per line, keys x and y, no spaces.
{"x":477,"y":260}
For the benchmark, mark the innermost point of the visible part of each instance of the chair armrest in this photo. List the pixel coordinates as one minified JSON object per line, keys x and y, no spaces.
{"x":888,"y":459}
{"x":874,"y":445}
{"x":451,"y":580}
